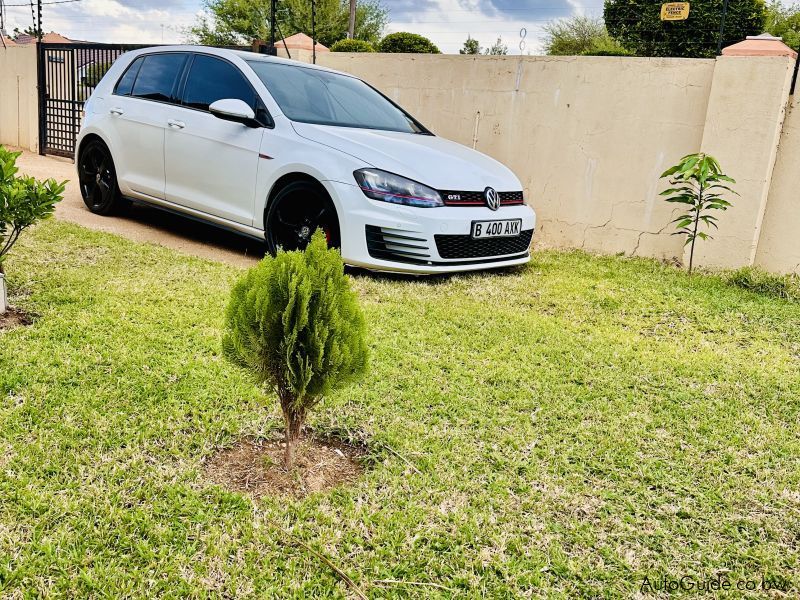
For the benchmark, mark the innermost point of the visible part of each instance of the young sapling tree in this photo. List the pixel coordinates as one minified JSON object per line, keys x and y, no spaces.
{"x":294,"y":323}
{"x":699,"y":183}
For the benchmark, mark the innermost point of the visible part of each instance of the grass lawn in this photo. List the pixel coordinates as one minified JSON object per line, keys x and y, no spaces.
{"x":577,"y":425}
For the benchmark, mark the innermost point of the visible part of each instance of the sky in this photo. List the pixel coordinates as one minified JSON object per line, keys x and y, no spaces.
{"x":446,"y":22}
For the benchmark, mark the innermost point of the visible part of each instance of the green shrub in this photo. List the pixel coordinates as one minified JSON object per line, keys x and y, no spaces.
{"x":294,"y":323}
{"x":637,"y":25}
{"x":23,"y":201}
{"x":761,"y":282}
{"x":94,"y":73}
{"x":403,"y":41}
{"x":606,"y":46}
{"x":347,"y":45}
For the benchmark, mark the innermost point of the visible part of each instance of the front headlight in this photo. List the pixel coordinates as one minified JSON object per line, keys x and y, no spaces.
{"x":388,"y":187}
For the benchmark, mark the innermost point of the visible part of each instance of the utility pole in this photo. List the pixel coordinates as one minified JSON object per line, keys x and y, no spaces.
{"x":39,"y":27}
{"x":351,"y":28}
{"x":722,"y":27}
{"x":272,"y":49}
{"x":314,"y":31}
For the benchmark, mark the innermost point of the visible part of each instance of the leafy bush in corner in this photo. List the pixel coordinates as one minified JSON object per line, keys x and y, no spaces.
{"x":761,"y":282}
{"x":348,"y":45}
{"x":402,"y":41}
{"x":23,"y":201}
{"x":294,"y":323}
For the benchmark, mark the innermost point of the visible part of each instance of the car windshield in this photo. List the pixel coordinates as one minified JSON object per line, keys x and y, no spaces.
{"x":324,"y":98}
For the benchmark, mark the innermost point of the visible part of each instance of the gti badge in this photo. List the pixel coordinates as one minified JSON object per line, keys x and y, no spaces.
{"x":492,"y":198}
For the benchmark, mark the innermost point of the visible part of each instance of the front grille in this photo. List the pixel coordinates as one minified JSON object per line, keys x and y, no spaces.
{"x":397,"y":245}
{"x":456,"y":198}
{"x":463,"y":246}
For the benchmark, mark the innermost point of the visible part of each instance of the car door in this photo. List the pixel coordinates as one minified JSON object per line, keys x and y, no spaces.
{"x":138,"y":108}
{"x":211,"y":164}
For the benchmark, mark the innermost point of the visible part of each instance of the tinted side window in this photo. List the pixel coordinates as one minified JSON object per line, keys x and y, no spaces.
{"x":211,"y":79}
{"x":158,"y":76}
{"x":125,"y":83}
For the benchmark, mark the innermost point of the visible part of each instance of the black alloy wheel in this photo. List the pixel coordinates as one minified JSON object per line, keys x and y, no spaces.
{"x":98,"y":179}
{"x":297,"y":211}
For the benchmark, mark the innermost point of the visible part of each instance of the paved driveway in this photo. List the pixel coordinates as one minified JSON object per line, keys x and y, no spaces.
{"x":143,"y":224}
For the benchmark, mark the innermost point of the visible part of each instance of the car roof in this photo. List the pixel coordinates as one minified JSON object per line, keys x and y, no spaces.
{"x":228,"y":52}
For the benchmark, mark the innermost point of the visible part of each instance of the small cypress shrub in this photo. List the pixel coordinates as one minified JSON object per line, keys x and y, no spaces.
{"x":294,"y":323}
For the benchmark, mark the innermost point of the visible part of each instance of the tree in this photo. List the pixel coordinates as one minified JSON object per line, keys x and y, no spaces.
{"x":403,"y":41}
{"x":471,"y":46}
{"x":294,"y":323}
{"x":637,"y":25}
{"x":232,"y":22}
{"x":579,"y":35}
{"x":497,"y":49}
{"x":698,"y":182}
{"x":784,"y":22}
{"x":94,"y":73}
{"x":30,"y":30}
{"x":23,"y":202}
{"x":229,"y":22}
{"x":352,"y":46}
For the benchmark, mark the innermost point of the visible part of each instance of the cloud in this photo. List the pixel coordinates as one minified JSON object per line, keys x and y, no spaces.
{"x":449,"y":22}
{"x":446,"y":22}
{"x":120,"y":21}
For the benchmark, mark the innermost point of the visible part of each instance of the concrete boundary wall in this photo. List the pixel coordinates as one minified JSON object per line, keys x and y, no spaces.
{"x":19,"y":106}
{"x":589,"y":136}
{"x":779,"y":241}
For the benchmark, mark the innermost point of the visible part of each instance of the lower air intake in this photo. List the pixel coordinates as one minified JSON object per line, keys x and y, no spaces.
{"x":463,"y":246}
{"x":397,"y":245}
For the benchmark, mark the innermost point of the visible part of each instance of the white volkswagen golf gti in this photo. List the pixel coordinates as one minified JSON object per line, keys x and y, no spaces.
{"x":275,"y":149}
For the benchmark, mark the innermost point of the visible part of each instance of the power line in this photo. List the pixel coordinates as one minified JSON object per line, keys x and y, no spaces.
{"x":45,"y":3}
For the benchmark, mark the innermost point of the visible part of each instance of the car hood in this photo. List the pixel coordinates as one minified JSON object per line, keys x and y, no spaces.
{"x":434,"y":161}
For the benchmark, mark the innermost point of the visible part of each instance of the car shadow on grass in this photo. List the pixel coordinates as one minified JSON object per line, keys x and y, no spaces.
{"x":194,"y":230}
{"x":432,"y":279}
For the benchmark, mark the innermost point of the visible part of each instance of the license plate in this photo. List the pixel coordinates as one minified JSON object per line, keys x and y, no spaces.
{"x":492,"y":229}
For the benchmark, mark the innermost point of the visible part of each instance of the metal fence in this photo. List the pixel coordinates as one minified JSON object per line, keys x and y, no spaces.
{"x":67,"y":75}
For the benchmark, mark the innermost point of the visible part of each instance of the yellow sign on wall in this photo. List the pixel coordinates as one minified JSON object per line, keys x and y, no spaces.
{"x":675,"y":11}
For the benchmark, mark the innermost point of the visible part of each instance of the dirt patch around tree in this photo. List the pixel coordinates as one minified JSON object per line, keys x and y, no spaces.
{"x":254,"y":466}
{"x":14,"y":317}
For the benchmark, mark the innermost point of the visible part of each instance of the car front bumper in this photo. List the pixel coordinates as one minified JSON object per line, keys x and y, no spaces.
{"x":390,"y":237}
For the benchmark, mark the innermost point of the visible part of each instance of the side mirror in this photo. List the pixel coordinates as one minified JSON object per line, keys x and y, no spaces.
{"x":231,"y":109}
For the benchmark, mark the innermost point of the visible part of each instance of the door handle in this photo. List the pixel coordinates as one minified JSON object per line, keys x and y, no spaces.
{"x":176,"y":124}
{"x":116,"y":111}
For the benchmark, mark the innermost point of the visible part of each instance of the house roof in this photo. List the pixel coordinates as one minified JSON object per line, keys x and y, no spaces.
{"x":8,"y":41}
{"x":300,"y":41}
{"x":48,"y":38}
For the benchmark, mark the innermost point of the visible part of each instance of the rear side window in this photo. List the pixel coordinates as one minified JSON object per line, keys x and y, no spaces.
{"x":158,"y":77}
{"x":125,"y":83}
{"x":211,"y":79}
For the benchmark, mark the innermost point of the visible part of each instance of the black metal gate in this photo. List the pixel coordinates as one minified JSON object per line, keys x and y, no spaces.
{"x":67,"y":75}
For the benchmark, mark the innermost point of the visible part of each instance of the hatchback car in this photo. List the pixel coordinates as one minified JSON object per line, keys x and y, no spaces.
{"x":275,"y":149}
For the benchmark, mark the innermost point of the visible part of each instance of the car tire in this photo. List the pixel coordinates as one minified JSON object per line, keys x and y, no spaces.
{"x":295,"y":213}
{"x":97,"y":178}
